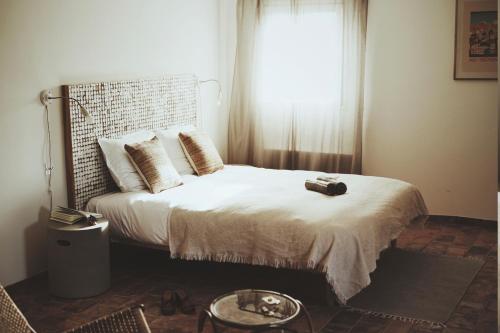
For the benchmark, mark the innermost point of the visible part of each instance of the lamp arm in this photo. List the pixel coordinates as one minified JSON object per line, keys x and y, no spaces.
{"x":83,"y":110}
{"x":211,"y":80}
{"x":219,"y":97}
{"x":70,"y":98}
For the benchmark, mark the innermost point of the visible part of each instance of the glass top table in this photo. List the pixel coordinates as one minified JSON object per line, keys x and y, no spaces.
{"x":256,"y":310}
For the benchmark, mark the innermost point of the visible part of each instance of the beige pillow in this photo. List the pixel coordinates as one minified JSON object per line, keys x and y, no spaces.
{"x":201,"y":152}
{"x":153,"y":165}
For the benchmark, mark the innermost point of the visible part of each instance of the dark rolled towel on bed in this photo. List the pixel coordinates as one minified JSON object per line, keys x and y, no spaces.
{"x":328,"y":188}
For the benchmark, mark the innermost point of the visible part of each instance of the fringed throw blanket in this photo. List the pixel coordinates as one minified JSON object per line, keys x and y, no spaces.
{"x":266,"y":217}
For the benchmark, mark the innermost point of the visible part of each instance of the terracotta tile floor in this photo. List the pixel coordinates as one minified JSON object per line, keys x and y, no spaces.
{"x":140,"y":276}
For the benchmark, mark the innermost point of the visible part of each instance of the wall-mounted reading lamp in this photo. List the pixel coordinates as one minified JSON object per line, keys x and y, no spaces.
{"x":219,"y":95}
{"x":46,"y":98}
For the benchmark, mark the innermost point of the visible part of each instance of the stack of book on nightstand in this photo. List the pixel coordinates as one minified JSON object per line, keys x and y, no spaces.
{"x":70,"y":216}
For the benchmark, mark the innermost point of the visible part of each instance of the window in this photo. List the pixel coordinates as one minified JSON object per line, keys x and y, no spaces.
{"x":297,"y":95}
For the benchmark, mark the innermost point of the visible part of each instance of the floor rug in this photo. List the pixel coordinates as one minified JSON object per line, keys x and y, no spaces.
{"x":416,"y":287}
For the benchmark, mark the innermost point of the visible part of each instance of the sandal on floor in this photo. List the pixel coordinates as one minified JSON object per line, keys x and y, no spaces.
{"x":168,"y":302}
{"x":183,"y":302}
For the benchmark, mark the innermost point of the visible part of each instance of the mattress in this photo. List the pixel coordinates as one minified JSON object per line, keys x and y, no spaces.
{"x":266,"y":217}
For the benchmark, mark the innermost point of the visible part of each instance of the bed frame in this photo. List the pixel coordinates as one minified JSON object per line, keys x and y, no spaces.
{"x":119,"y":108}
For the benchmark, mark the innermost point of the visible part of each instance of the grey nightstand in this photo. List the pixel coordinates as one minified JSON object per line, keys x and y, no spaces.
{"x":78,"y":258}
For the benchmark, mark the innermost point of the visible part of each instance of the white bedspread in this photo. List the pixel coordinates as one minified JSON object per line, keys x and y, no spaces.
{"x":259,"y":216}
{"x":139,"y":216}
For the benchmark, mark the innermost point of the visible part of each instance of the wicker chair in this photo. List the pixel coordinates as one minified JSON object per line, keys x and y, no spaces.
{"x":130,"y":320}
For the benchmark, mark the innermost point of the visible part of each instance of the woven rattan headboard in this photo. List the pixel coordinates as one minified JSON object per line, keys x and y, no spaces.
{"x":118,"y":108}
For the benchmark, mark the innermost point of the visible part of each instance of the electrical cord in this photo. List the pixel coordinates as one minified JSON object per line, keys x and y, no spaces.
{"x":48,"y":166}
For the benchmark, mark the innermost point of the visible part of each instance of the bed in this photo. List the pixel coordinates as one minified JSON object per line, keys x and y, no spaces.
{"x":239,"y":214}
{"x":258,"y":216}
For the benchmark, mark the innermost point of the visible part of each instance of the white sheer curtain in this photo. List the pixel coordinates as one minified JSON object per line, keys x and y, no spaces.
{"x":297,"y":91}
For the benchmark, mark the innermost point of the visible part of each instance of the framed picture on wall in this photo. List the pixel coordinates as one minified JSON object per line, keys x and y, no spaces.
{"x":476,"y":43}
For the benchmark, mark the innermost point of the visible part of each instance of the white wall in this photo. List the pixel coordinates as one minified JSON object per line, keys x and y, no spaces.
{"x":421,"y":125}
{"x":45,"y":44}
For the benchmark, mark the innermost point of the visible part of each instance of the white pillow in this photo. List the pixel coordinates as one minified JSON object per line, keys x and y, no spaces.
{"x":122,"y":170}
{"x":169,"y":138}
